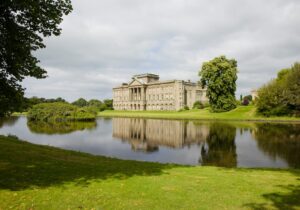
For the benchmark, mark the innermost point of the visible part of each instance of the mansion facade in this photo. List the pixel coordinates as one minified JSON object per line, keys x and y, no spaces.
{"x":146,"y":92}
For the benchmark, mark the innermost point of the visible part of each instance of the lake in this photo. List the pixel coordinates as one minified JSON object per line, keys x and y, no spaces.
{"x":226,"y":144}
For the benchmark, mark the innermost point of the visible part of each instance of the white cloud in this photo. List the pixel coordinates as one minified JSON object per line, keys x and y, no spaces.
{"x":105,"y":42}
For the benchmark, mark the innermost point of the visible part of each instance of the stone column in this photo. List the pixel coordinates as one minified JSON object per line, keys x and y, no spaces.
{"x":140,"y":93}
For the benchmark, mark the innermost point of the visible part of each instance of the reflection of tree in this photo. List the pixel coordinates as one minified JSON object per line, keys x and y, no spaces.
{"x":221,"y":149}
{"x":8,"y":121}
{"x":280,"y":140}
{"x":59,"y":127}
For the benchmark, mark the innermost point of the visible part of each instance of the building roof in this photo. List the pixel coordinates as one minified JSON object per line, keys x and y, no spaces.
{"x":145,"y":75}
{"x":157,"y":82}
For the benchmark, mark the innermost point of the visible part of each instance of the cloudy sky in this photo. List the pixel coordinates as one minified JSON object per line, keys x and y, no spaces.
{"x":104,"y":42}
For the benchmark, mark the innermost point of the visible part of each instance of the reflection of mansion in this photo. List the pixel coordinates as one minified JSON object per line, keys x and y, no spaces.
{"x":146,"y":92}
{"x":149,"y":134}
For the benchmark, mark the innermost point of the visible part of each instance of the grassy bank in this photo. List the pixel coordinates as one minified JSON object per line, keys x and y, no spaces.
{"x":41,"y":177}
{"x":245,"y":113}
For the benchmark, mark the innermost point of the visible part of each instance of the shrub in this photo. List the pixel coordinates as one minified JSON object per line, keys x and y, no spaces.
{"x":60,"y":112}
{"x":198,"y":105}
{"x":186,"y":107}
{"x":206,"y":104}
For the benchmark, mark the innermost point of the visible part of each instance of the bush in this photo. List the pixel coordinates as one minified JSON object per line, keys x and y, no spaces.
{"x":60,"y":112}
{"x":198,"y":105}
{"x":206,"y":104}
{"x":186,"y":107}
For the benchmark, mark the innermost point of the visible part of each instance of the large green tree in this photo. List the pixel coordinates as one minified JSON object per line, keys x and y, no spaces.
{"x":219,"y":75}
{"x":23,"y":25}
{"x":281,"y":95}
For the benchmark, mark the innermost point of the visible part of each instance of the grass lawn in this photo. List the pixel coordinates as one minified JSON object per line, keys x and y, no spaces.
{"x":240,"y":113}
{"x":41,"y":177}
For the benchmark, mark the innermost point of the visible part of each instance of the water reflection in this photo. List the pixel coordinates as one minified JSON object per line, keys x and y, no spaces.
{"x":226,"y":144}
{"x":148,"y":134}
{"x":280,"y":140}
{"x":9,"y":121}
{"x":58,"y":127}
{"x":216,"y":140}
{"x":220,"y":148}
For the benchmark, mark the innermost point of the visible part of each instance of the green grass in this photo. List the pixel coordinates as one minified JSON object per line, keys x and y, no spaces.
{"x":245,"y":113}
{"x":42,"y":177}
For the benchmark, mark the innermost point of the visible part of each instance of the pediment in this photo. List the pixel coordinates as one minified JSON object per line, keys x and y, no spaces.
{"x":135,"y":82}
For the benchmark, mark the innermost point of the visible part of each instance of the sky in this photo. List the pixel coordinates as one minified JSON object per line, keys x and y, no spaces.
{"x":104,"y":42}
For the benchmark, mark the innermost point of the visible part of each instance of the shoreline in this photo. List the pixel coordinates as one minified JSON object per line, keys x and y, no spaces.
{"x":201,"y":119}
{"x":241,"y":114}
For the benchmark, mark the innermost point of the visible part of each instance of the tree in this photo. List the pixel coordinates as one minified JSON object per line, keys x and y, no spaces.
{"x":95,"y":103}
{"x":23,"y":24}
{"x":248,"y":97}
{"x":81,"y":102}
{"x":292,"y":94}
{"x":220,"y":75}
{"x":108,"y":103}
{"x":281,"y":95}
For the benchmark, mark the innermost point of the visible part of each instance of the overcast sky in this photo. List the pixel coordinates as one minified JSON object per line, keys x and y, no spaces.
{"x":104,"y":42}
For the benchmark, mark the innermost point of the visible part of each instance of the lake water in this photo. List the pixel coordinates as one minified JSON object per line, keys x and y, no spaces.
{"x":224,"y":144}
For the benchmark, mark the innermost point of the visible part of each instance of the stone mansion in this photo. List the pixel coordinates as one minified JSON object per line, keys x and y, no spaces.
{"x":146,"y":92}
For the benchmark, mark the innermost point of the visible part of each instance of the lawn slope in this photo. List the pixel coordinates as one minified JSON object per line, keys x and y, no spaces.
{"x":41,"y":177}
